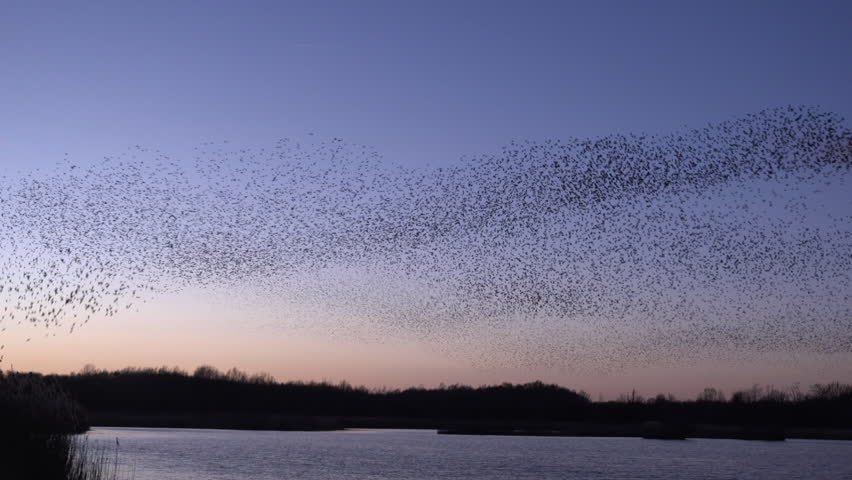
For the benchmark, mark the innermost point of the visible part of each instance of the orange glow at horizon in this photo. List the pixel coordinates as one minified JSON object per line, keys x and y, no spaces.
{"x":209,"y":336}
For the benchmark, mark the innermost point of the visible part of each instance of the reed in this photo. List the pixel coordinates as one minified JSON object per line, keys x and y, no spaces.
{"x":87,"y":462}
{"x":38,"y":427}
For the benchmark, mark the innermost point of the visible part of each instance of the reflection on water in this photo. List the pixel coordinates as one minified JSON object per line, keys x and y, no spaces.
{"x":179,"y":454}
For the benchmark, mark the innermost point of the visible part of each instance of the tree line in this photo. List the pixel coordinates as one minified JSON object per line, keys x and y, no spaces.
{"x":161,"y":391}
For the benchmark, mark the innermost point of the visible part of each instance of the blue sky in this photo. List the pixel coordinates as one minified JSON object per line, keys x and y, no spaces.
{"x":418,"y":81}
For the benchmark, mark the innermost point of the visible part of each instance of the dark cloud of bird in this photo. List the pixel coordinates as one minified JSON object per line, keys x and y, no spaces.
{"x":588,"y":253}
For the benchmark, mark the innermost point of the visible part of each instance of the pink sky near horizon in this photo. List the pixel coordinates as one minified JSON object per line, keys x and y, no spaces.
{"x":165,"y":335}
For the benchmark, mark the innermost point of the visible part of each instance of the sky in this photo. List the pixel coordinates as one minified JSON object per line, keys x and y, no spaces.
{"x":419,"y":81}
{"x":422,"y":83}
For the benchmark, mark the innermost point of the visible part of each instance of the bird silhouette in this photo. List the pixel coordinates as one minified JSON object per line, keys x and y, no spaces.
{"x":592,"y":254}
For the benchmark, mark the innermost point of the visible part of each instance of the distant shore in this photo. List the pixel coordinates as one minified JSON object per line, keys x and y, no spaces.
{"x":651,"y":430}
{"x":209,"y":399}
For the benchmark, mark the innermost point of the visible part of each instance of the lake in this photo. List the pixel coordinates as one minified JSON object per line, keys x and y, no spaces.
{"x":183,"y":454}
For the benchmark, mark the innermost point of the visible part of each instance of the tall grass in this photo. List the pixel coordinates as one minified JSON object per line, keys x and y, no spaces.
{"x":31,"y":403}
{"x":85,"y":462}
{"x":38,"y":423}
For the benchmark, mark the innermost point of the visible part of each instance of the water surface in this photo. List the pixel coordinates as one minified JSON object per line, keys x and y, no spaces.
{"x":183,"y":454}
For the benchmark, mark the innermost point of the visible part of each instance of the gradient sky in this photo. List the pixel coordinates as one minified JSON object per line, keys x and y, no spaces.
{"x":422,"y":83}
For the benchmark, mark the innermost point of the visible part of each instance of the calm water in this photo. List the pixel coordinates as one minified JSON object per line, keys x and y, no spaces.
{"x":172,"y":454}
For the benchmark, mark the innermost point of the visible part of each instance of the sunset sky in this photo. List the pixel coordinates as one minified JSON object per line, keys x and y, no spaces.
{"x":425,"y":84}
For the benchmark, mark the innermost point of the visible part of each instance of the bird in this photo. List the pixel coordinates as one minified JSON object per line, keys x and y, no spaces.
{"x":585,"y":253}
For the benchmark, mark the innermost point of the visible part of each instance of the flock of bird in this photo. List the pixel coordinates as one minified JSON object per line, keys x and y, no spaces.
{"x":584,"y":253}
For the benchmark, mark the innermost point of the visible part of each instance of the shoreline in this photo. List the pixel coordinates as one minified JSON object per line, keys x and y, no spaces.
{"x":649,"y":430}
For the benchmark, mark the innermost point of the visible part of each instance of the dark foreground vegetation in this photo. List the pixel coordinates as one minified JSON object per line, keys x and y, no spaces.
{"x":210,"y":399}
{"x":38,"y":421}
